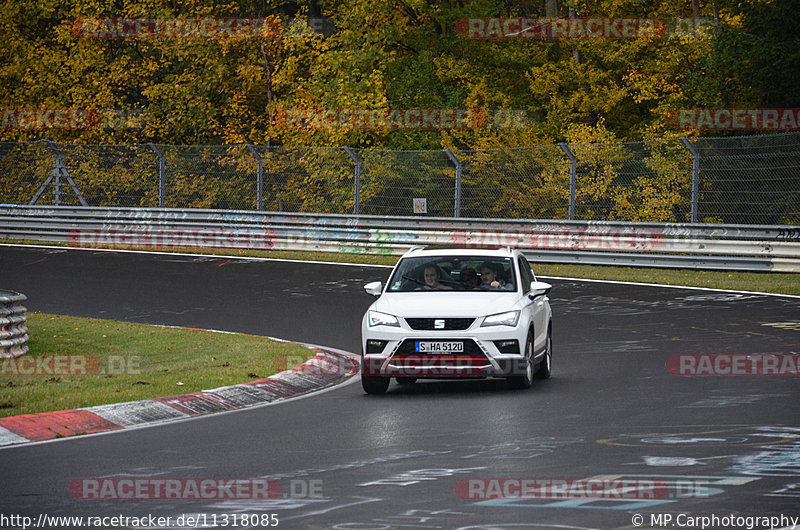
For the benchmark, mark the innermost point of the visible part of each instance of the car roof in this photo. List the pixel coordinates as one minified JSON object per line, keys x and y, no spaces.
{"x":482,"y":252}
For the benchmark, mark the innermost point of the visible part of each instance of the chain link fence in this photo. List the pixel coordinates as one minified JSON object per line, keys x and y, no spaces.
{"x":732,"y":180}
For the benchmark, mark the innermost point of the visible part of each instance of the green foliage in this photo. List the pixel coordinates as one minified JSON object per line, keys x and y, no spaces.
{"x":393,"y":54}
{"x":388,"y":54}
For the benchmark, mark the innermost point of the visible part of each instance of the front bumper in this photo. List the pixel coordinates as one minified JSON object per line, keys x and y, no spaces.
{"x":494,"y":352}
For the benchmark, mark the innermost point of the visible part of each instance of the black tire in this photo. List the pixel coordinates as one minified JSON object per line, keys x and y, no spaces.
{"x":374,"y":384}
{"x":545,"y":368}
{"x":525,"y":380}
{"x":406,"y":381}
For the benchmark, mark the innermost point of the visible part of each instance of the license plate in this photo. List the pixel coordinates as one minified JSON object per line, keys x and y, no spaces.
{"x":439,"y":347}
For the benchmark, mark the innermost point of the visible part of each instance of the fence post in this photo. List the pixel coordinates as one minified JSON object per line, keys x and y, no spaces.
{"x":457,"y":201}
{"x":356,"y":179}
{"x":259,"y":177}
{"x":162,"y":180}
{"x":695,"y":176}
{"x":573,"y":166}
{"x":59,"y":170}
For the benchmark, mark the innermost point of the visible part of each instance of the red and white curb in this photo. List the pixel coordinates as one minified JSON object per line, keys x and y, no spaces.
{"x":328,"y":368}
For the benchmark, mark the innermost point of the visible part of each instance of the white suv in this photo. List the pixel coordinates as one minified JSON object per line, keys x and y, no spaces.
{"x":457,"y":313}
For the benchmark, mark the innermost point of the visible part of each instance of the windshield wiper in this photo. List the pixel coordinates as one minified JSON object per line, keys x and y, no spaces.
{"x":409,"y":278}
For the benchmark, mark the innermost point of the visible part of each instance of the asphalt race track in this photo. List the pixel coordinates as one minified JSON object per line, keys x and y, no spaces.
{"x":718,"y":446}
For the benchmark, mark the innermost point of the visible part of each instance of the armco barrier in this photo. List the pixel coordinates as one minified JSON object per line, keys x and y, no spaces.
{"x":13,"y":331}
{"x":706,"y":246}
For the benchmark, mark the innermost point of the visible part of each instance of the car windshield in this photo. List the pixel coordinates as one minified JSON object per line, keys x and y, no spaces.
{"x":453,"y":273}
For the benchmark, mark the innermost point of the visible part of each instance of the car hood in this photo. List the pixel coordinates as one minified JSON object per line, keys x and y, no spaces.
{"x":443,"y":304}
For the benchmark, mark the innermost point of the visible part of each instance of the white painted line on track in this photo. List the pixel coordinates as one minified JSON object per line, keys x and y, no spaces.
{"x":194,"y":255}
{"x":248,"y":258}
{"x":670,"y":286}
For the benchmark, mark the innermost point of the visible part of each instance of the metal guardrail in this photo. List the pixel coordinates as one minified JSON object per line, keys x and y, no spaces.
{"x":697,"y":246}
{"x":13,"y":331}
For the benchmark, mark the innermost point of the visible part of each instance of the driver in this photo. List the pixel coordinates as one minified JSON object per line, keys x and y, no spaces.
{"x":490,"y":279}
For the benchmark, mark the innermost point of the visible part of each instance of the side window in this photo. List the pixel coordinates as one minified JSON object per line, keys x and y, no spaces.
{"x":525,"y":273}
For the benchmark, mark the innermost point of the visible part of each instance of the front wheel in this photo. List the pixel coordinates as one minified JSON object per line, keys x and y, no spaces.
{"x":374,"y":384}
{"x":526,"y":379}
{"x":546,"y":364}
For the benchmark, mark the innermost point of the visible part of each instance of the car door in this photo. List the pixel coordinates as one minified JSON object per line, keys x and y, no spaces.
{"x":538,"y":306}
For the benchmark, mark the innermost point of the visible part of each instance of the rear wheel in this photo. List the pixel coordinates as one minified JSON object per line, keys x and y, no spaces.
{"x":525,"y":380}
{"x":546,"y":364}
{"x":374,"y":384}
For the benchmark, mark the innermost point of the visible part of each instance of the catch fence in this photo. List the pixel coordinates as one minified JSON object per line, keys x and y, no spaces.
{"x":730,"y":180}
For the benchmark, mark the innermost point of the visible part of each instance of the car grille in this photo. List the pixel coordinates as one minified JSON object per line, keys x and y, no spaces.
{"x":429,"y":324}
{"x":406,"y":356}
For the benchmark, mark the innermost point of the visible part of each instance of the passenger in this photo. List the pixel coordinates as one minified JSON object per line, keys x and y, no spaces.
{"x":470,"y":278}
{"x":433,"y":279}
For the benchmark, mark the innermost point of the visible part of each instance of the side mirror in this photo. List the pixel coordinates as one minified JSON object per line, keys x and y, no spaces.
{"x":539,"y":289}
{"x":374,"y":288}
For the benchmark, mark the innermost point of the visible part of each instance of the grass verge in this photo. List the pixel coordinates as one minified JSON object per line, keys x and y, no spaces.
{"x":80,"y":362}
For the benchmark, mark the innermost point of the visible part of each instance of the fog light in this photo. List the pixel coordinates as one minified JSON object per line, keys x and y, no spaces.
{"x":375,"y":346}
{"x":507,"y":346}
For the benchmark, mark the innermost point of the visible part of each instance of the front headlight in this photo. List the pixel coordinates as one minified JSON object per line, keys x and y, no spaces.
{"x":376,"y":318}
{"x":509,"y":318}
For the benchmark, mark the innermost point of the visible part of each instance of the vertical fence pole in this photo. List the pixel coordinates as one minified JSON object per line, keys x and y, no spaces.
{"x":259,"y":177}
{"x":695,"y":176}
{"x":57,"y":174}
{"x":573,"y":167}
{"x":457,"y":200}
{"x":162,"y":180}
{"x":356,"y":179}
